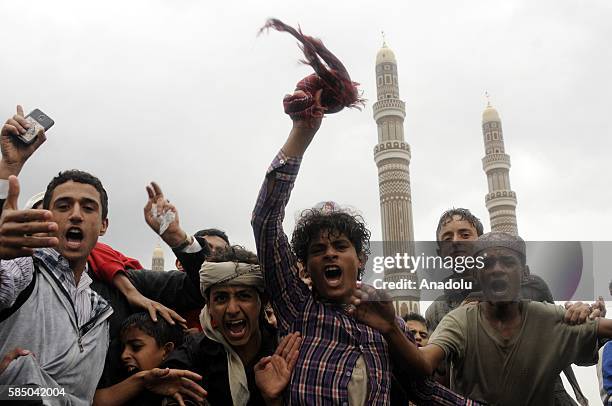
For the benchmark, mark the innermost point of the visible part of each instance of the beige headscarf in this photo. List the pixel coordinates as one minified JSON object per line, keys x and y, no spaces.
{"x":229,"y":273}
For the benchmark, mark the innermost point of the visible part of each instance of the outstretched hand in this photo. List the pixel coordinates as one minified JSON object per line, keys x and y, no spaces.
{"x":163,"y":217}
{"x":272,"y":373}
{"x":578,"y":312}
{"x":14,"y":152}
{"x":373,"y":307}
{"x":175,"y":383}
{"x":19,"y":229}
{"x":153,"y":308}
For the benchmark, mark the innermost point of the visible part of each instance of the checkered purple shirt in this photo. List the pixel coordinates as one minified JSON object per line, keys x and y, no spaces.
{"x":332,"y":340}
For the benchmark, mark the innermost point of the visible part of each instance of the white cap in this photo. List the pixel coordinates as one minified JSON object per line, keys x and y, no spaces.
{"x":34,"y":200}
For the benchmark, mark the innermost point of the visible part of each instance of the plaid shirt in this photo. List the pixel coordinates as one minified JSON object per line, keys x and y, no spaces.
{"x":332,"y":340}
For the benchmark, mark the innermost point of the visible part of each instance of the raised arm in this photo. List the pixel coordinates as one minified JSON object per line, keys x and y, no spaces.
{"x":21,"y":231}
{"x":273,"y":249}
{"x":163,"y":218}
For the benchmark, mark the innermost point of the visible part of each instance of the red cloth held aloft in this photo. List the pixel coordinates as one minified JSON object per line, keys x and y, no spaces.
{"x":339,"y":90}
{"x":105,"y":262}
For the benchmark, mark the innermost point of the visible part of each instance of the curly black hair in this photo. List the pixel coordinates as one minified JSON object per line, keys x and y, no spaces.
{"x":338,"y":222}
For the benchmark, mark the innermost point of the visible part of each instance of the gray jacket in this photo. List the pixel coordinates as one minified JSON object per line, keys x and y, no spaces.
{"x":66,"y":356}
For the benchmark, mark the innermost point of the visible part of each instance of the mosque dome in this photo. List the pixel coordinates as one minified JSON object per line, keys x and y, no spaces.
{"x":158,"y":252}
{"x":385,"y":54}
{"x":490,"y":114}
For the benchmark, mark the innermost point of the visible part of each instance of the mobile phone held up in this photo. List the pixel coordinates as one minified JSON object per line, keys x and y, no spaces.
{"x":37,"y":120}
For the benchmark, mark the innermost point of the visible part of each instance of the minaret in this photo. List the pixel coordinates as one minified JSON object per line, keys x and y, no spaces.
{"x":392,"y":157}
{"x":158,"y":259}
{"x":501,"y":200}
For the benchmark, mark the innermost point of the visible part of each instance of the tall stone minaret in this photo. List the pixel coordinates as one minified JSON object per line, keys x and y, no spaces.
{"x":392,"y":157}
{"x":157,"y":264}
{"x":501,"y":200}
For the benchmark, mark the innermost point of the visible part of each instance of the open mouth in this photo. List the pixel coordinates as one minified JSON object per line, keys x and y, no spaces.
{"x":236,"y":328}
{"x":74,"y":237}
{"x":131,"y":368}
{"x":333,"y":274}
{"x":499,"y":285}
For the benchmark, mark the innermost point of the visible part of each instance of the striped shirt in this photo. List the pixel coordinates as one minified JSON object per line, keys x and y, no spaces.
{"x":16,"y":275}
{"x":332,"y":340}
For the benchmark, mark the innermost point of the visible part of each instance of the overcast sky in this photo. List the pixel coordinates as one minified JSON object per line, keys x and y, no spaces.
{"x":183,"y":92}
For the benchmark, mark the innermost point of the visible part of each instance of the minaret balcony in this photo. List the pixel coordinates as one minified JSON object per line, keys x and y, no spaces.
{"x":389,"y":107}
{"x":496,"y":161}
{"x":391,"y":149}
{"x":500,"y":198}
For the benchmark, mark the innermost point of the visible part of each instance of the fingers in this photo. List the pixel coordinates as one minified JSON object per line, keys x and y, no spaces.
{"x":18,"y":223}
{"x":177,"y":396}
{"x":292,"y":345}
{"x":577,"y":313}
{"x":152,"y":312}
{"x":10,"y":129}
{"x":193,"y":390}
{"x":191,"y":375}
{"x":293,"y":354}
{"x":262,"y":363}
{"x":156,"y":188}
{"x":19,"y":123}
{"x":159,"y":372}
{"x":20,"y":110}
{"x":176,"y":317}
{"x":283,"y":344}
{"x":28,"y":241}
{"x":150,"y":192}
{"x":170,"y":315}
{"x":40,"y":139}
{"x":12,"y":355}
{"x":13,"y":193}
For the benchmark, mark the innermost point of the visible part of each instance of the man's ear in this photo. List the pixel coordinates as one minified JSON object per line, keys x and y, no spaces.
{"x":104,"y":227}
{"x":167,"y":349}
{"x":363,"y":259}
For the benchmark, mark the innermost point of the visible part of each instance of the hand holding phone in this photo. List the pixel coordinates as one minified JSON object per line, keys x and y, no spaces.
{"x":38,"y":121}
{"x":20,"y":138}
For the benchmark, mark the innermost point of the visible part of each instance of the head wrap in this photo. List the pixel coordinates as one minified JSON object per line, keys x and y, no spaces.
{"x":34,"y":200}
{"x":232,"y":274}
{"x":498,"y":239}
{"x":338,"y":90}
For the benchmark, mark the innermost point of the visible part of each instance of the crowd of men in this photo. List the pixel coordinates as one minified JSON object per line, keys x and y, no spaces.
{"x":81,"y":323}
{"x":235,"y":327}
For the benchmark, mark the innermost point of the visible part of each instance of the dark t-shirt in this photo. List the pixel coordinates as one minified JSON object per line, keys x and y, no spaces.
{"x":516,"y":371}
{"x":209,"y":359}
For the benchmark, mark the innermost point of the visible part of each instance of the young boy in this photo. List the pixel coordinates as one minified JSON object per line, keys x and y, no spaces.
{"x":145,"y":345}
